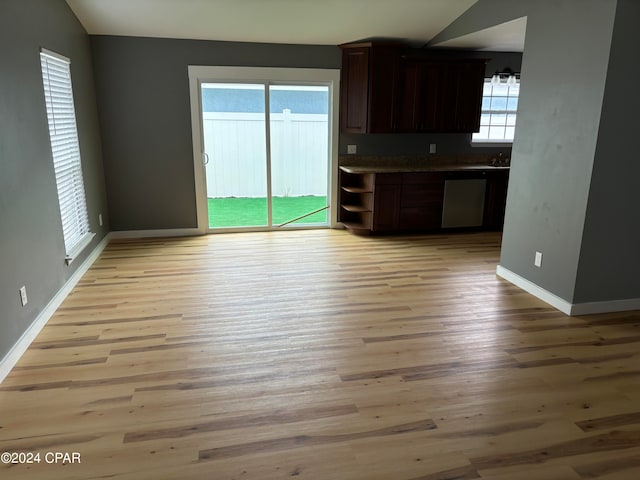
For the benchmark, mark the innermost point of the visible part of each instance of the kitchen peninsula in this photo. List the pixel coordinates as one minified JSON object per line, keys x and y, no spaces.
{"x":422,"y":194}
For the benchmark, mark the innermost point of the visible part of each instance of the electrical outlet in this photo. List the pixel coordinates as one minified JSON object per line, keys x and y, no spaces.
{"x":100,"y":219}
{"x":538,"y":260}
{"x":352,"y":149}
{"x":432,"y":148}
{"x":23,"y":295}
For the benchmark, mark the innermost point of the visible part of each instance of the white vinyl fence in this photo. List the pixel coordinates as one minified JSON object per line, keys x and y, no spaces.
{"x":235,"y":144}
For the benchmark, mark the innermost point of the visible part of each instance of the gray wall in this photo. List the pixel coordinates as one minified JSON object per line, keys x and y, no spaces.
{"x":31,"y":245}
{"x":143,"y":97}
{"x":564,"y":69}
{"x":610,"y":255}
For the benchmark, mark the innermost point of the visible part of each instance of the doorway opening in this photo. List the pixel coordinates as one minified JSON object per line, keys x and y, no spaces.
{"x":265,"y":149}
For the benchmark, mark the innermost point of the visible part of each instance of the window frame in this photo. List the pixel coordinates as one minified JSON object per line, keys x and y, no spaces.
{"x":499,"y":142}
{"x":65,"y":152}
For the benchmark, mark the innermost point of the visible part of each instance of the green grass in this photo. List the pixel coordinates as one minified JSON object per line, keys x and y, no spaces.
{"x":252,"y":212}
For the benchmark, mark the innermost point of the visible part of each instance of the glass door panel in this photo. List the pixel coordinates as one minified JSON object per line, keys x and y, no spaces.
{"x":299,"y":154}
{"x":234,"y":122}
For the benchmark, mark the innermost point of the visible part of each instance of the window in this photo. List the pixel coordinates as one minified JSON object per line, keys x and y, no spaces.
{"x":56,"y":76}
{"x":498,"y":117}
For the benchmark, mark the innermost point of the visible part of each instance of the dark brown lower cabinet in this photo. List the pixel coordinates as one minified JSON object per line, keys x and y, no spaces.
{"x":386,"y":213}
{"x":495,"y":199}
{"x":410,"y":202}
{"x":421,"y":202}
{"x":414,"y":219}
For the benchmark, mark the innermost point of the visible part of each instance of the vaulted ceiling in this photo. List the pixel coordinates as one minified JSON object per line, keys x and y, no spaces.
{"x":326,"y":22}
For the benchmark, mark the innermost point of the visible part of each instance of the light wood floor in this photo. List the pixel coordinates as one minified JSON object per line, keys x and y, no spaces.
{"x":322,"y":355}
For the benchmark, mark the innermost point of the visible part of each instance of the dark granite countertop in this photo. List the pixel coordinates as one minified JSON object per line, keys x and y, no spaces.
{"x":422,"y":163}
{"x":452,"y":167}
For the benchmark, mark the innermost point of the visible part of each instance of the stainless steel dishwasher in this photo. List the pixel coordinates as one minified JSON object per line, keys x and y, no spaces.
{"x":463,"y":202}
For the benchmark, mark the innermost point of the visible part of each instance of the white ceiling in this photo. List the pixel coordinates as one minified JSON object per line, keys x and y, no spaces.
{"x":507,"y":37}
{"x":319,"y":22}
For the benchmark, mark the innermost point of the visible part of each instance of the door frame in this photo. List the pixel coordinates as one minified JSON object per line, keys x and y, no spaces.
{"x":268,"y":76}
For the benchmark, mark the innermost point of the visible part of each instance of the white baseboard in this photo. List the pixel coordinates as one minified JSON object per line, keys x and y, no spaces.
{"x":588,"y":308}
{"x":561,"y":304}
{"x":18,"y":349}
{"x":530,"y":287}
{"x":168,"y":232}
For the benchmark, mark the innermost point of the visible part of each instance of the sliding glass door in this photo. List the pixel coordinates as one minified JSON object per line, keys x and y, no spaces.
{"x":299,"y":134}
{"x":235,"y":146}
{"x":265,"y":151}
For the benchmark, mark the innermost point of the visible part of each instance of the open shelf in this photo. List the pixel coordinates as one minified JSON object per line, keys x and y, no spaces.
{"x":356,"y":201}
{"x":356,"y":208}
{"x":357,"y":189}
{"x":357,"y":228}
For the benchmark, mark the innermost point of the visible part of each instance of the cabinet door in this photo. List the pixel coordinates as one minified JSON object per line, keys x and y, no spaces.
{"x":495,"y":200}
{"x":354,"y":90}
{"x":421,"y":201}
{"x":417,"y":109}
{"x":386,"y":208}
{"x":368,"y":88}
{"x":407,"y":109}
{"x":461,"y":98}
{"x":415,"y":219}
{"x":383,"y":85}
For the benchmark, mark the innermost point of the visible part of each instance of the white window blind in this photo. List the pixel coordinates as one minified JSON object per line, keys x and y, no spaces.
{"x":58,"y":94}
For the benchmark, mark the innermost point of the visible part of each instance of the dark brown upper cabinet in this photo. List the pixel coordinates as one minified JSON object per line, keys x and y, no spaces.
{"x":439,"y":95}
{"x":368,"y":87}
{"x":461,"y":98}
{"x":387,"y":88}
{"x":418,"y":98}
